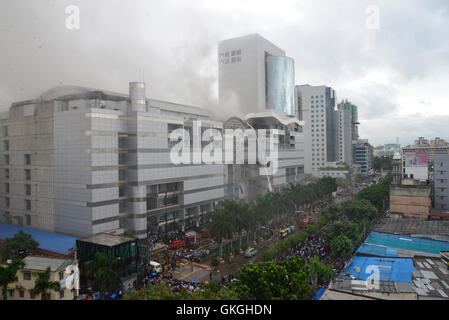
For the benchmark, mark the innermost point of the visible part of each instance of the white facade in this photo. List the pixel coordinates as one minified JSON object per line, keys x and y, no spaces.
{"x":242,"y":75}
{"x":80,"y":161}
{"x":316,"y":106}
{"x":343,"y":136}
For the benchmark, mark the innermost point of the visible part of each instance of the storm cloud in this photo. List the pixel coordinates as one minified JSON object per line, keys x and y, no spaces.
{"x":392,"y":73}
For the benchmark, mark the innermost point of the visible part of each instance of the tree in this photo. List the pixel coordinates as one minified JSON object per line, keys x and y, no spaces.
{"x":320,"y":272}
{"x":8,"y":274}
{"x":346,"y":227}
{"x":43,"y":284}
{"x":356,"y":209}
{"x":21,"y":240}
{"x":102,"y":268}
{"x":270,"y":281}
{"x":341,"y":246}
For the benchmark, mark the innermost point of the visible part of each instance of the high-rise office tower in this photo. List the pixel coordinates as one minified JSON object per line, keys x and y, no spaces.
{"x":353,"y":110}
{"x":343,"y":136}
{"x":254,"y":75}
{"x":316,"y":105}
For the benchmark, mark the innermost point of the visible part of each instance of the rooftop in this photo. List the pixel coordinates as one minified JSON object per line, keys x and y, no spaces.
{"x":431,"y":279}
{"x":42,"y":263}
{"x":436,"y":230}
{"x":107,"y":240}
{"x":47,"y":240}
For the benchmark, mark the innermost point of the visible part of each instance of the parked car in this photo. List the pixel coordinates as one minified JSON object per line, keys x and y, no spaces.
{"x":155,"y":266}
{"x":250,"y":252}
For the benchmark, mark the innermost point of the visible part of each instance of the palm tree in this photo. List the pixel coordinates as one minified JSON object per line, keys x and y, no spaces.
{"x":43,"y":284}
{"x":8,"y":275}
{"x":102,"y":268}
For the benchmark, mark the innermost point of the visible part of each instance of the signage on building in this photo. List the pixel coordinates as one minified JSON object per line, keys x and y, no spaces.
{"x":416,"y":159}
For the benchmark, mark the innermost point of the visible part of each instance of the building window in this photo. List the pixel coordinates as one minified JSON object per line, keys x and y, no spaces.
{"x":11,"y":293}
{"x":21,"y":293}
{"x":28,"y":189}
{"x":6,"y":171}
{"x":7,"y":202}
{"x":32,"y":295}
{"x":5,"y":131}
{"x":26,"y":275}
{"x":27,"y":174}
{"x":28,"y":159}
{"x":61,"y":275}
{"x":28,"y":204}
{"x":6,"y":145}
{"x":6,"y":187}
{"x":61,"y":294}
{"x":6,"y":158}
{"x":28,"y":219}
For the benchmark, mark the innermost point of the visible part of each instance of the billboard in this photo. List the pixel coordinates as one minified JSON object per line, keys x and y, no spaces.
{"x":416,"y":159}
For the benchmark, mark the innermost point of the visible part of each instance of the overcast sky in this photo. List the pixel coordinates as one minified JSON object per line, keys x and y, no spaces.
{"x":398,"y":74}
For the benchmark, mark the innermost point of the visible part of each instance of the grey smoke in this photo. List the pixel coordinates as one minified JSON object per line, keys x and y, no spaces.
{"x":175,"y":43}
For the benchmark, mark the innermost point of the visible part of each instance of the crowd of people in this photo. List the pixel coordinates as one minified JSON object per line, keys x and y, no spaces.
{"x":175,"y":285}
{"x":315,"y":246}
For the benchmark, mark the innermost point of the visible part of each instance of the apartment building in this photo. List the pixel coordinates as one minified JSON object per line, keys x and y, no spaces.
{"x":61,"y":270}
{"x":441,"y":182}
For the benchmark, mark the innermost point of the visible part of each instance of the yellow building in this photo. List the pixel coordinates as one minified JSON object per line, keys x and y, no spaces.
{"x":61,"y":270}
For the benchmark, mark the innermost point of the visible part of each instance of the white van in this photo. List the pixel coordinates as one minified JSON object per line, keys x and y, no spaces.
{"x":155,"y":266}
{"x":250,"y":252}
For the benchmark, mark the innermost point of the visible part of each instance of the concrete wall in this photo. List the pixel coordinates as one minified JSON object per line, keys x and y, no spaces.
{"x":410,"y":201}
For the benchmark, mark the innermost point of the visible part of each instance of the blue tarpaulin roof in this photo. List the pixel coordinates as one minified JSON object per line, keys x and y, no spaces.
{"x":375,"y":250}
{"x":390,"y":269}
{"x":404,"y":242}
{"x":47,"y":240}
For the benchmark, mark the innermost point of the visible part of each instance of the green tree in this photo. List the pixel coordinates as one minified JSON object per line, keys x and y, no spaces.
{"x":8,"y":274}
{"x":341,"y":246}
{"x":356,"y":209}
{"x":42,"y":284}
{"x":21,"y":240}
{"x":102,"y":269}
{"x":270,"y":281}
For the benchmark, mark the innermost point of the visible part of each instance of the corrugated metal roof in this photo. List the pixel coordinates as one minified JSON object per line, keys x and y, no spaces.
{"x":47,"y":240}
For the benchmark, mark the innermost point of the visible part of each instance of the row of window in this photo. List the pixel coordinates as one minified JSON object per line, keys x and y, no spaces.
{"x":27,"y":174}
{"x":26,"y":186}
{"x":32,"y":294}
{"x":27,"y":203}
{"x":27,"y":158}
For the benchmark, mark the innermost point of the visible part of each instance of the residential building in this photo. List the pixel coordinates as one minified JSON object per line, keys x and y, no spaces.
{"x":316,"y":106}
{"x":63,"y":271}
{"x":415,"y":166}
{"x":254,"y":75}
{"x":408,"y":197}
{"x":363,"y":155}
{"x":432,"y":147}
{"x":441,"y":182}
